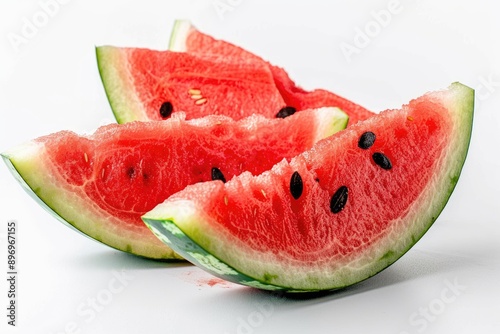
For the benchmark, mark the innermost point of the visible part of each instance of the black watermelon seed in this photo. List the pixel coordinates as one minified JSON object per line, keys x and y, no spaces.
{"x":285,"y":112}
{"x":339,"y":199}
{"x":296,"y":185}
{"x":382,"y":160}
{"x":366,"y":140}
{"x":217,"y":174}
{"x":166,"y":109}
{"x":131,"y":172}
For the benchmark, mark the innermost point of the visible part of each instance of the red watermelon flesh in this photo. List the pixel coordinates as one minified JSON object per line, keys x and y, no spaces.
{"x":101,"y":184}
{"x":140,"y":83}
{"x":365,"y":196}
{"x":185,"y":37}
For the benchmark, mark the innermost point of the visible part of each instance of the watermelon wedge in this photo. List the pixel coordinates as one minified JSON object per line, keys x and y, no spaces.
{"x":101,"y":184}
{"x":187,"y":38}
{"x":143,"y":84}
{"x":334,"y":215}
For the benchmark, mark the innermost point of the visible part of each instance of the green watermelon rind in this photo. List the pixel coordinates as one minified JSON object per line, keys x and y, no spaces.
{"x":178,"y":35}
{"x":170,"y":234}
{"x":117,"y":79}
{"x":50,"y":196}
{"x":33,"y":191}
{"x":422,"y":214}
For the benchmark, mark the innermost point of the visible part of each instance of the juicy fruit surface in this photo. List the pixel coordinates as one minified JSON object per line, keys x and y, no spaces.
{"x":139,"y":81}
{"x":376,"y":196}
{"x":361,"y":206}
{"x":186,"y":37}
{"x":122,"y":171}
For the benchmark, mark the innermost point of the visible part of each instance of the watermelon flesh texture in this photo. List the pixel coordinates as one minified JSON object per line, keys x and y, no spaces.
{"x":186,"y":38}
{"x":139,"y":81}
{"x":101,"y":184}
{"x":252,"y":231}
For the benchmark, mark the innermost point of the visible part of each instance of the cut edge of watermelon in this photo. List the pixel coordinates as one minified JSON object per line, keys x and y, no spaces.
{"x":117,"y":79}
{"x":28,"y":164}
{"x":49,"y":194}
{"x":179,"y":222}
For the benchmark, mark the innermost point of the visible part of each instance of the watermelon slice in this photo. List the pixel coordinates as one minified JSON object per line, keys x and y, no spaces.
{"x":186,"y":38}
{"x":143,"y":84}
{"x":334,"y":215}
{"x":102,"y":184}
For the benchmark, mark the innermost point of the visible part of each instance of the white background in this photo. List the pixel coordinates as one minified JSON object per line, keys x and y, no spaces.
{"x":50,"y":82}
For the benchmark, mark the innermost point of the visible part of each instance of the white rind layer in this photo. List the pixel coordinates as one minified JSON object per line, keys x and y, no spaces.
{"x":117,"y":79}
